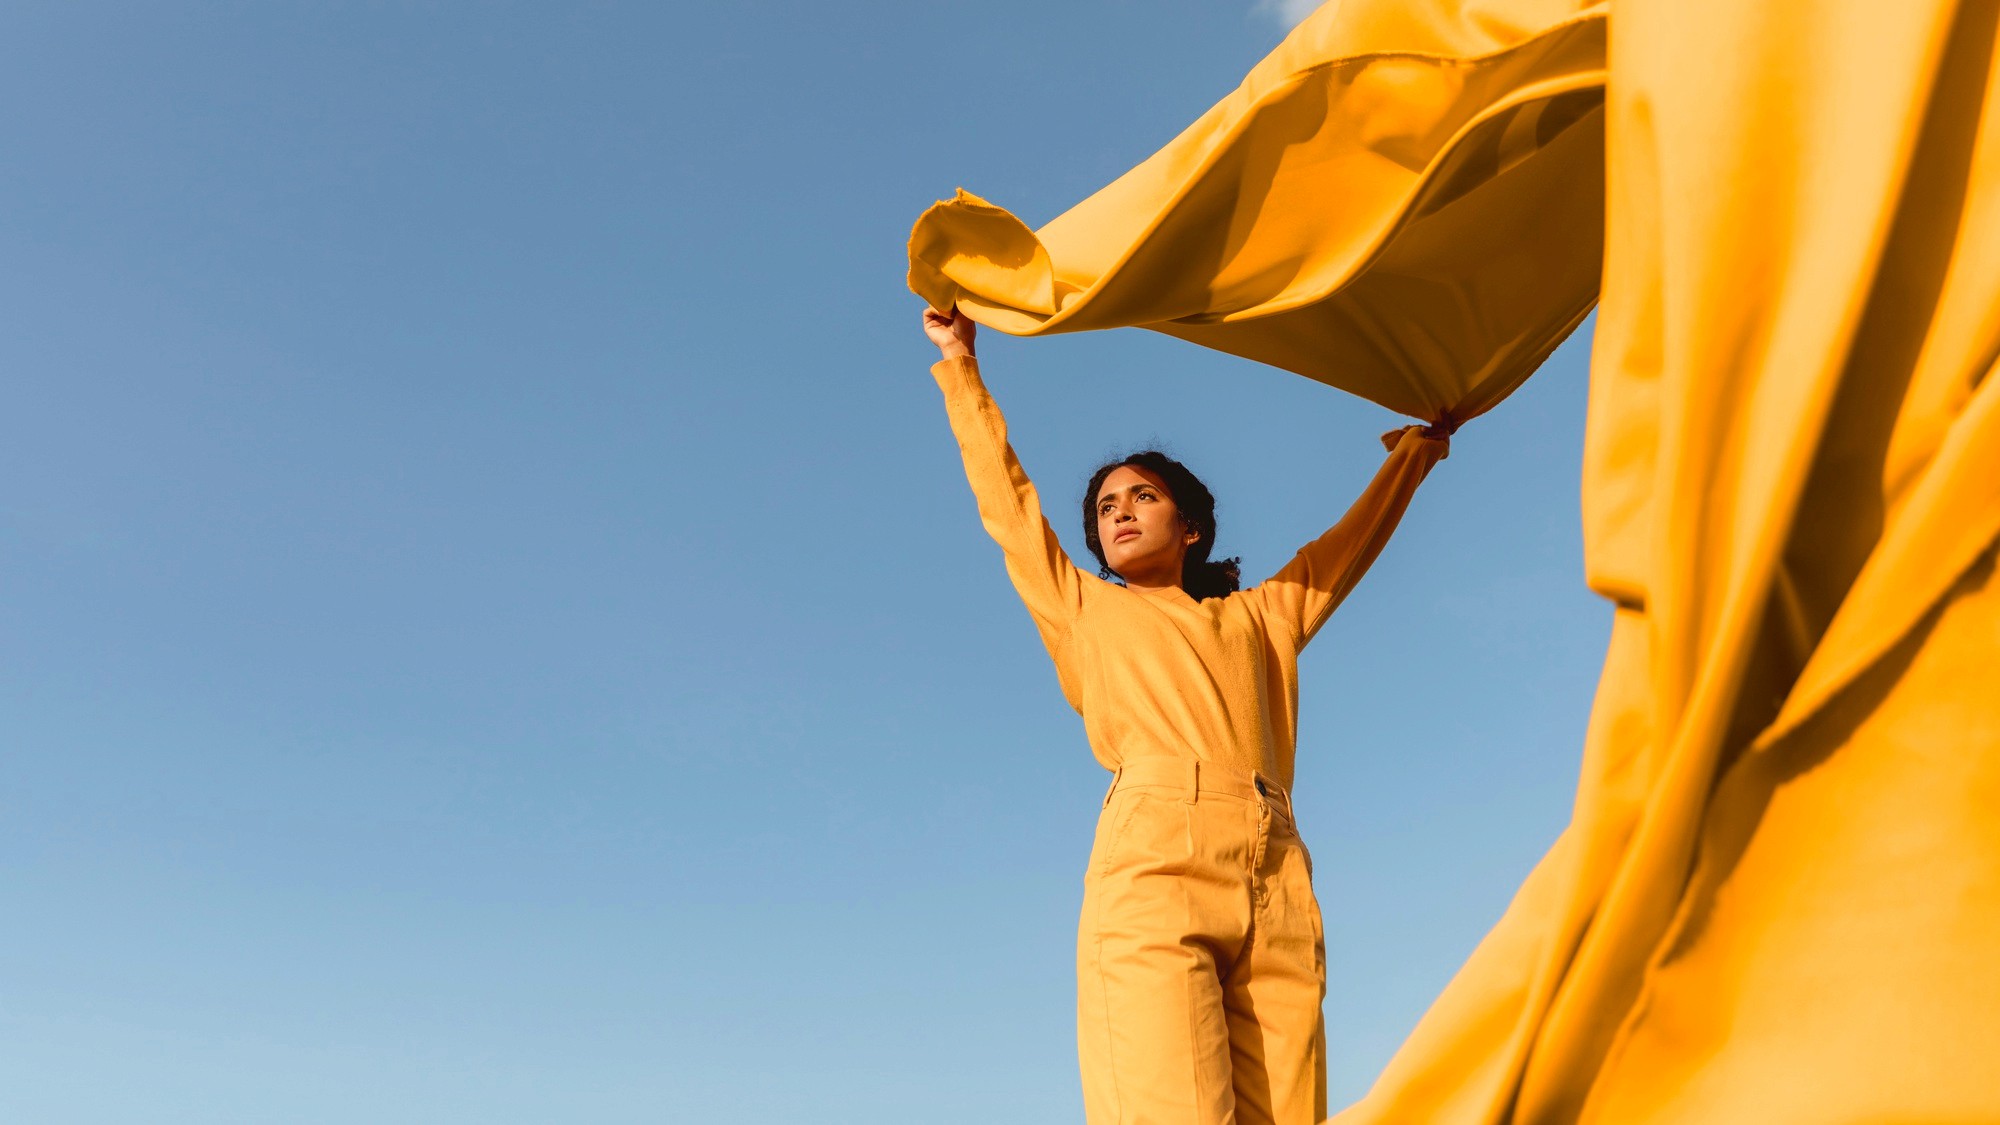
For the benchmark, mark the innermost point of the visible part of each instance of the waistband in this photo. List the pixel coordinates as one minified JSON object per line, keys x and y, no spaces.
{"x":1193,"y":778}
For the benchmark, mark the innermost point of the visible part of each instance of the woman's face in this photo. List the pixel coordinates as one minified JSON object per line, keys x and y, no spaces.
{"x":1140,"y":529}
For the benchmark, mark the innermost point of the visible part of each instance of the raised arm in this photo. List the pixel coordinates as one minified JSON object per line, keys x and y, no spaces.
{"x":1050,"y":585}
{"x":1299,"y":598}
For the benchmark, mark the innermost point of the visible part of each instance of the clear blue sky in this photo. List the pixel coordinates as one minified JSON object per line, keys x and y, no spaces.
{"x":492,"y":627}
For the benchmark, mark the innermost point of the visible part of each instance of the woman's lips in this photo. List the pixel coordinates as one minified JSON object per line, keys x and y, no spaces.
{"x":1124,"y":535}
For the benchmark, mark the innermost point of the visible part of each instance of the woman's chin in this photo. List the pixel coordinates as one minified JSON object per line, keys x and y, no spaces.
{"x":1125,"y":554}
{"x":1131,"y":564}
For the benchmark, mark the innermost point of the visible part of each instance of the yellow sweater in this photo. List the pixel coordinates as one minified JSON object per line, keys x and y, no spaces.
{"x":1161,"y":674}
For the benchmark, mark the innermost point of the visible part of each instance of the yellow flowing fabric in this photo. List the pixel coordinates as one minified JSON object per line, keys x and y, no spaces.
{"x":1778,"y":898}
{"x":1403,"y":202}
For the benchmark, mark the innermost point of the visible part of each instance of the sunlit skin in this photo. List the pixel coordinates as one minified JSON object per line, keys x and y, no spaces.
{"x":1141,"y":530}
{"x":1138,"y":525}
{"x":952,"y":332}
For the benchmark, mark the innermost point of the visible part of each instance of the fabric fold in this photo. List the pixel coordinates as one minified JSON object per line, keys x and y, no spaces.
{"x":1777,"y":896}
{"x":1406,"y":205}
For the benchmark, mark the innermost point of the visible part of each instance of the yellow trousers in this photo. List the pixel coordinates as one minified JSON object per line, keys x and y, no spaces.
{"x":1201,"y":964}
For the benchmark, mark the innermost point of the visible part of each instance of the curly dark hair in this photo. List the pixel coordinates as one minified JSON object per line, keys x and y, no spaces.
{"x":1200,"y":577}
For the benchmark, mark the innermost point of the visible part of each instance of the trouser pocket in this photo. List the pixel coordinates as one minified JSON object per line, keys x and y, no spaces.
{"x":1114,"y":825}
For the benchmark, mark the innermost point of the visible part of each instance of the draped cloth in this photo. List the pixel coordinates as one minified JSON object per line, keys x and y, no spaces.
{"x":1448,"y":158}
{"x":1778,"y":898}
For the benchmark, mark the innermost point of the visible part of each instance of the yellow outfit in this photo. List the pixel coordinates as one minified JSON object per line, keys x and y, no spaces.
{"x":1778,"y":897}
{"x":1200,"y":959}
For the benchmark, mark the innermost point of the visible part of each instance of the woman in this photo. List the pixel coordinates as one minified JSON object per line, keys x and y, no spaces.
{"x":1200,"y":958}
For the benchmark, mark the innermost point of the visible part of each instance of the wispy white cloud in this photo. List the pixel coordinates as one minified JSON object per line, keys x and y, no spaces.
{"x":1290,"y":11}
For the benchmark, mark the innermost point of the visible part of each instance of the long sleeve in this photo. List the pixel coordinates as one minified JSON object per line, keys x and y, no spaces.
{"x":1300,"y":597}
{"x":1050,"y":585}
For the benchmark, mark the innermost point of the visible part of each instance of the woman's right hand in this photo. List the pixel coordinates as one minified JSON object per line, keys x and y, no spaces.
{"x":951,"y":332}
{"x":1432,"y":432}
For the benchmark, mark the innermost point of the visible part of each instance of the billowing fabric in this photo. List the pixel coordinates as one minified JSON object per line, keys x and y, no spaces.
{"x":1156,"y":673}
{"x":1401,"y":202}
{"x":1779,"y":894}
{"x":1200,"y":957}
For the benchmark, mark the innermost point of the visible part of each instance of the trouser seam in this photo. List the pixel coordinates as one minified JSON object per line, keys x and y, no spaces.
{"x":1097,"y":965}
{"x":1104,"y":1008}
{"x":1188,"y":1003}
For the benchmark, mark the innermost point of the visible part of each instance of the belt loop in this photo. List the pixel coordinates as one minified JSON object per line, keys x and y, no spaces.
{"x":1116,"y":775}
{"x":1194,"y":780}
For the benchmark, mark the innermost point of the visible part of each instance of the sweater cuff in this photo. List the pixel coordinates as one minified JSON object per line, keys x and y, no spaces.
{"x":957,"y":375}
{"x":1434,"y":449}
